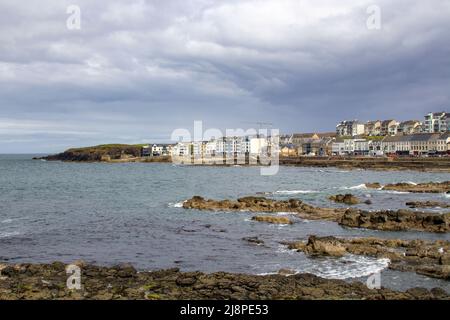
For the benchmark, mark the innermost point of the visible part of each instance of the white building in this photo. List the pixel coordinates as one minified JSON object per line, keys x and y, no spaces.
{"x":350,"y":128}
{"x":338,"y":147}
{"x":437,"y":122}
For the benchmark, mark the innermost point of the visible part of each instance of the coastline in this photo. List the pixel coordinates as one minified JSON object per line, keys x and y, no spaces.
{"x":49,"y":282}
{"x":376,"y":164}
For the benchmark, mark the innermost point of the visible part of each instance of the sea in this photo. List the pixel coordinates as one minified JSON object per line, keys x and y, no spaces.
{"x":109,"y":214}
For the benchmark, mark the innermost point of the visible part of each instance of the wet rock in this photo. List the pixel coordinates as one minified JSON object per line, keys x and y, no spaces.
{"x":328,"y":246}
{"x":261,"y":204}
{"x":380,"y":220}
{"x":286,"y":272}
{"x":396,"y":220}
{"x":420,"y":256}
{"x":430,"y":187}
{"x":174,"y":285}
{"x":374,"y":185}
{"x":274,"y":220}
{"x":345,"y":198}
{"x":253,"y":240}
{"x":427,"y":204}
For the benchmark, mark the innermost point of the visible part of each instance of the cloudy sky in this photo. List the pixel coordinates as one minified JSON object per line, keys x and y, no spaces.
{"x":137,"y":70}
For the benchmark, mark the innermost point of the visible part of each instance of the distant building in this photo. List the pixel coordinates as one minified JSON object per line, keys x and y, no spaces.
{"x":417,"y":144}
{"x":288,"y":150}
{"x":410,"y":127}
{"x":389,"y":127}
{"x":437,"y":122}
{"x":338,"y":147}
{"x":373,"y":128}
{"x":350,"y":128}
{"x":146,"y":151}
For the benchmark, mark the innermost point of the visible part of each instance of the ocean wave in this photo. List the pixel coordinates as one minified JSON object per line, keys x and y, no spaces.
{"x":294,"y":191}
{"x":358,"y":187}
{"x":395,"y":192}
{"x":9,"y":234}
{"x":286,"y":213}
{"x":349,"y":266}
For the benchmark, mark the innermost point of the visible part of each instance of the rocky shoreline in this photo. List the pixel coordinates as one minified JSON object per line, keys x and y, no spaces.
{"x":367,"y":163}
{"x":48,"y":281}
{"x":429,"y":258}
{"x":399,"y":220}
{"x":430,"y":187}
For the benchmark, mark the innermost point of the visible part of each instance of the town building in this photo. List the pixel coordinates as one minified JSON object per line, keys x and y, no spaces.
{"x":410,"y":127}
{"x":338,"y":147}
{"x":146,"y":151}
{"x":373,"y":128}
{"x":350,"y":128}
{"x":437,"y":122}
{"x":389,"y":127}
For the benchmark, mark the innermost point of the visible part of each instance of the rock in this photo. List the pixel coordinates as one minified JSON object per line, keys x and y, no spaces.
{"x":345,"y":198}
{"x":379,"y":220}
{"x":286,"y":272}
{"x":396,"y":220}
{"x":430,"y":187}
{"x":427,"y":204}
{"x":185,"y":281}
{"x":374,"y":185}
{"x":174,"y":285}
{"x":327,"y":246}
{"x":253,"y":240}
{"x":274,"y":220}
{"x":420,"y":256}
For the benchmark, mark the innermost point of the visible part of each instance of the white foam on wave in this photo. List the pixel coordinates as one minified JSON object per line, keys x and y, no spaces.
{"x":286,"y":213}
{"x":176,"y":205}
{"x":412,"y":183}
{"x":9,"y":234}
{"x":396,"y":192}
{"x":349,"y":266}
{"x":294,"y":191}
{"x":358,"y":187}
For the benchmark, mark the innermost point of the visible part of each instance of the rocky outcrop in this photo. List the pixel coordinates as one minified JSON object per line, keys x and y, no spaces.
{"x":345,"y":198}
{"x":396,"y":220}
{"x":379,"y":220}
{"x":48,"y":281}
{"x":262,"y":204}
{"x":374,"y":185}
{"x":430,"y":187}
{"x":427,"y":204}
{"x":97,"y":153}
{"x":430,"y":258}
{"x":273,"y":220}
{"x":371,"y":163}
{"x":115,"y":153}
{"x":253,"y":240}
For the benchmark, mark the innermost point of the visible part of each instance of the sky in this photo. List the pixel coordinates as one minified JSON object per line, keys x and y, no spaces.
{"x":134,"y":71}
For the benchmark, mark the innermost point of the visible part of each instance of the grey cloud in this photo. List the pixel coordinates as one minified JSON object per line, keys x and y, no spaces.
{"x":139,"y":69}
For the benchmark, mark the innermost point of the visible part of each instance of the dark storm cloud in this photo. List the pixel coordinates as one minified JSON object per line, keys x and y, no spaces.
{"x":139,"y":69}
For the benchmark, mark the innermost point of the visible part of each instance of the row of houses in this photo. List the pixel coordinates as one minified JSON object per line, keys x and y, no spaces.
{"x":223,"y":146}
{"x":435,"y":122}
{"x":319,"y":144}
{"x":413,"y":144}
{"x":156,"y":150}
